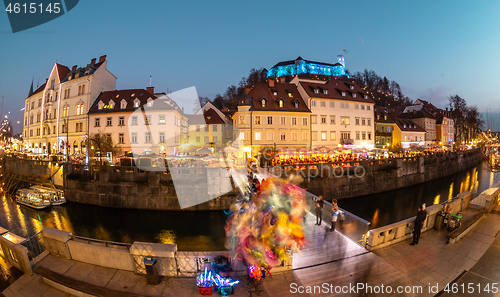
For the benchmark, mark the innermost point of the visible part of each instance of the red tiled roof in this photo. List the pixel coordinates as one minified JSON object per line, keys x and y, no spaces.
{"x":287,"y":92}
{"x":334,"y":88}
{"x":380,"y":111}
{"x":62,"y":71}
{"x":209,"y":117}
{"x":40,"y":88}
{"x":409,"y":124}
{"x":117,"y":96}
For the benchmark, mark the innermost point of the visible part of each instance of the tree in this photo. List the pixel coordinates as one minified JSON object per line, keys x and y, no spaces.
{"x":100,"y":145}
{"x":468,"y":120}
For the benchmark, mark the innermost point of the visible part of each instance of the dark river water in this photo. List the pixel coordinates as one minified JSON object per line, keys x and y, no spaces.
{"x":205,"y":230}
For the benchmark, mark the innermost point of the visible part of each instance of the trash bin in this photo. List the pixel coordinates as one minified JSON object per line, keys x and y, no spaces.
{"x":439,"y":221}
{"x":152,"y":271}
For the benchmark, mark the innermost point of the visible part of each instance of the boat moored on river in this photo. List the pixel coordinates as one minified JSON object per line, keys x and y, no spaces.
{"x":31,"y":198}
{"x":55,"y":196}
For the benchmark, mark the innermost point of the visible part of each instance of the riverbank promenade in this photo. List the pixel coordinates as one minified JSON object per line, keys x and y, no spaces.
{"x":473,"y":260}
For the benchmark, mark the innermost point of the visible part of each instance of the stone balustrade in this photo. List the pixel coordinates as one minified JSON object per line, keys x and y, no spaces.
{"x":402,"y":230}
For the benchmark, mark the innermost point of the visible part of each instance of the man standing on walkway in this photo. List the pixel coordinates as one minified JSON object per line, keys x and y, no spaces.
{"x":319,"y":210}
{"x":417,"y":225}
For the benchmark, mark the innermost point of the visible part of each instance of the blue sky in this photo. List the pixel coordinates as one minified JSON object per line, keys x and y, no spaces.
{"x":433,"y":49}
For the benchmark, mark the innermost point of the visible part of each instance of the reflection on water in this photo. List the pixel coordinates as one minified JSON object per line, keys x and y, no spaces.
{"x":390,"y":207}
{"x":202,"y":230}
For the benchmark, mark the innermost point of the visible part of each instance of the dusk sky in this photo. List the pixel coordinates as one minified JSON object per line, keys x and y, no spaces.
{"x":433,"y":49}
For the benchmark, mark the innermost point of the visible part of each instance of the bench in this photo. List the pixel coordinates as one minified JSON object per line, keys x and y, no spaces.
{"x":80,"y":286}
{"x":466,"y":226}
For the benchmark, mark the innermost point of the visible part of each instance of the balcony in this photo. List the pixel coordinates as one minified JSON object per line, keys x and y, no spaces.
{"x":346,"y":141}
{"x":385,"y":134}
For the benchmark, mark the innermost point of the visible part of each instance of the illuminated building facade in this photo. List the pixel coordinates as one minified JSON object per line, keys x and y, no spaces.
{"x":303,"y":67}
{"x":55,"y":114}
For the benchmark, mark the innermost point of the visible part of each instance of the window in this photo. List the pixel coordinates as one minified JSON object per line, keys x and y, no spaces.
{"x":332,"y":119}
{"x":123,"y":104}
{"x":39,"y":102}
{"x":283,"y":136}
{"x":325,"y":92}
{"x":136,"y":103}
{"x":344,"y":120}
{"x":352,"y":87}
{"x":205,"y":128}
{"x":121,"y":121}
{"x":133,"y":137}
{"x":356,"y":121}
{"x":38,"y":132}
{"x":343,"y":94}
{"x":65,"y":111}
{"x":31,"y":119}
{"x":147,"y":120}
{"x":134,"y":121}
{"x":332,"y":104}
{"x":369,"y":136}
{"x":314,"y":119}
{"x":304,"y":121}
{"x":316,"y":91}
{"x":79,"y":127}
{"x":296,"y":104}
{"x":344,"y":105}
{"x":97,"y":122}
{"x":294,"y":121}
{"x":79,"y":109}
{"x":323,"y":119}
{"x":242,"y":120}
{"x":100,"y":105}
{"x":366,"y":97}
{"x":323,"y":136}
{"x":281,"y":103}
{"x":269,"y":120}
{"x":257,"y":136}
{"x":323,"y":104}
{"x":198,"y":139}
{"x":206,"y":139}
{"x":314,"y":135}
{"x":368,"y":107}
{"x":345,"y":135}
{"x":257,"y":120}
{"x":242,"y":136}
{"x":294,"y":136}
{"x":109,"y":121}
{"x":147,"y":137}
{"x":363,"y":121}
{"x":31,"y":133}
{"x":369,"y":122}
{"x":356,"y":106}
{"x":214,"y":139}
{"x":162,"y":137}
{"x":304,"y":136}
{"x":313,"y":103}
{"x":354,"y":96}
{"x":197,"y":128}
{"x":388,"y":129}
{"x":214,"y":128}
{"x":282,"y":120}
{"x":332,"y":135}
{"x":111,"y":104}
{"x":362,"y":107}
{"x":363,"y":136}
{"x":63,"y":128}
{"x":270,"y":135}
{"x":263,"y":102}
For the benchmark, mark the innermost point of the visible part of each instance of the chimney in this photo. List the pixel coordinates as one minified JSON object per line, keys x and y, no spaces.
{"x":151,"y":90}
{"x":271,"y":82}
{"x":74,"y":68}
{"x":46,"y":80}
{"x":92,"y":61}
{"x":102,"y":58}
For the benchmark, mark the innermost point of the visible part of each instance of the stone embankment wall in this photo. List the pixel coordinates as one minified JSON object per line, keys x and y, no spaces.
{"x":371,"y":177}
{"x":130,"y":187}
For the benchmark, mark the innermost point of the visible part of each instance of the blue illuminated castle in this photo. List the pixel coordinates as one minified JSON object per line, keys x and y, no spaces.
{"x":301,"y":67}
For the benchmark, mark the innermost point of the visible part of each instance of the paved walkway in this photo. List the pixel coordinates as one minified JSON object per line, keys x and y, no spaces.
{"x":431,"y":263}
